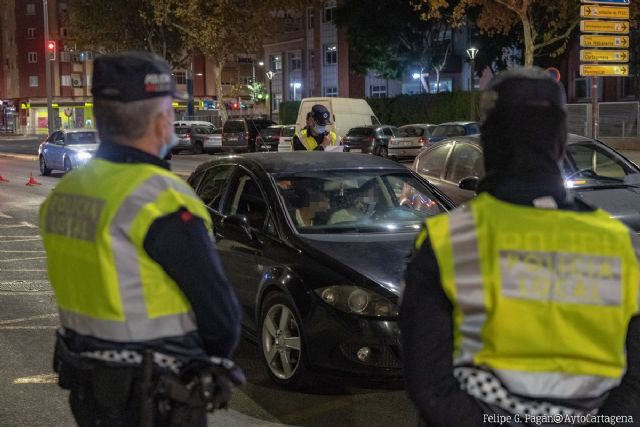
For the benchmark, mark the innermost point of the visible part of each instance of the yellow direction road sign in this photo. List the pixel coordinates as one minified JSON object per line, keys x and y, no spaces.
{"x":604,"y":70}
{"x":616,"y":27}
{"x":604,"y":55}
{"x":604,"y":41}
{"x":604,"y":12}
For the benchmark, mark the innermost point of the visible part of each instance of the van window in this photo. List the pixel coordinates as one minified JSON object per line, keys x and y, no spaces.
{"x":234,"y":126}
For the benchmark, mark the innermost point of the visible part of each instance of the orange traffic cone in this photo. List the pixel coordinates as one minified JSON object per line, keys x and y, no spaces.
{"x":3,"y":179}
{"x":32,"y":181}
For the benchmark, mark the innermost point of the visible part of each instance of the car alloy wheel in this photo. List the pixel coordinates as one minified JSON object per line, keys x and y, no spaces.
{"x":383,"y":152}
{"x":281,"y":341}
{"x":44,"y":170}
{"x":67,"y":165}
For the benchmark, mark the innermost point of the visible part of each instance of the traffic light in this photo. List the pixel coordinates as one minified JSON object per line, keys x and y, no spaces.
{"x":51,"y":48}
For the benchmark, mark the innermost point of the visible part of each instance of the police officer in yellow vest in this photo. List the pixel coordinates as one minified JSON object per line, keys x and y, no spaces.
{"x":522,"y":306}
{"x":137,"y":279}
{"x":314,"y":136}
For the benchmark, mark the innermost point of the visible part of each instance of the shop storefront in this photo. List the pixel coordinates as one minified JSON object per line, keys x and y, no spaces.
{"x":67,"y":115}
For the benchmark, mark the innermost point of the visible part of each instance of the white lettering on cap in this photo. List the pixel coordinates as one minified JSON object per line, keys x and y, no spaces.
{"x":157,"y":78}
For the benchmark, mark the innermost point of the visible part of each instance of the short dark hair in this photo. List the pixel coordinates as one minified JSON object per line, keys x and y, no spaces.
{"x":121,"y":122}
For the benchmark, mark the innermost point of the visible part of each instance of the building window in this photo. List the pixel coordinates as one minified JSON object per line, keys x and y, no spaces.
{"x":246,"y":80}
{"x":275,"y":61}
{"x":181,"y":77}
{"x":330,"y":54}
{"x":331,"y":91}
{"x":65,"y":80}
{"x":311,"y":18}
{"x":32,"y":57}
{"x":33,"y":81}
{"x":31,"y":10}
{"x":379,"y":91}
{"x":329,"y":14}
{"x":295,"y":61}
{"x":64,"y":32}
{"x":31,"y":33}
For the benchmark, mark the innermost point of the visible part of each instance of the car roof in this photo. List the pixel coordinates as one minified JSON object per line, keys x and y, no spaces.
{"x":417,"y":125}
{"x":462,"y":123}
{"x":475,"y":139}
{"x":76,"y":130}
{"x":302,"y":161}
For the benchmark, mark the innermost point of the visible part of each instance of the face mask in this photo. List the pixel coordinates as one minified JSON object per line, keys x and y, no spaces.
{"x":319,"y":129}
{"x":173,"y":141}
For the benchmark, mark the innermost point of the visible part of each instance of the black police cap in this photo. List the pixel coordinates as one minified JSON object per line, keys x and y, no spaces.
{"x":133,"y":76}
{"x":320,"y":114}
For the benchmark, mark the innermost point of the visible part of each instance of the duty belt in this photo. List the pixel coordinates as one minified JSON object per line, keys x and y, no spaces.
{"x":132,"y":357}
{"x":486,"y":387}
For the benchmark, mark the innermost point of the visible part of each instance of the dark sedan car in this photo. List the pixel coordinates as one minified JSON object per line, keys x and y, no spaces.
{"x":314,"y":245}
{"x":369,"y":139}
{"x":593,"y":172}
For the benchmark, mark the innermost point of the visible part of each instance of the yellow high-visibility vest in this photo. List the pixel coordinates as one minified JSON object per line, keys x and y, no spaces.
{"x":94,"y":225}
{"x":310,"y":143}
{"x":540,"y":297}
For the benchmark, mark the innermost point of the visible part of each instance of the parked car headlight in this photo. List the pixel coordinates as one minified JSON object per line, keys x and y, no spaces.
{"x":357,"y":300}
{"x":83,"y":155}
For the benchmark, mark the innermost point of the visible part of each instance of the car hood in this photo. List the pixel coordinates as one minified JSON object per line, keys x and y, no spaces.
{"x":89,"y":148}
{"x":380,"y":260}
{"x":621,"y":203}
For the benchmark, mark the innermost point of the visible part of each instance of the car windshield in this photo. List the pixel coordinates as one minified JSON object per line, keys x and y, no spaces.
{"x":289,"y":131}
{"x":80,"y":138}
{"x":587,"y":164}
{"x":448,"y":130}
{"x":404,"y":132}
{"x":270,"y":132}
{"x":362,"y":201}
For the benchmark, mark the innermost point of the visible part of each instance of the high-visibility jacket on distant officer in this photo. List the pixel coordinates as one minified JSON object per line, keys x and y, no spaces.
{"x":541,"y":297}
{"x":106,"y":285}
{"x":309,"y":141}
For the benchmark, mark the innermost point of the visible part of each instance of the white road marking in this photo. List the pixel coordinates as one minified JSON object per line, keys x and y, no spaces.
{"x":6,"y":236}
{"x":35,"y":239}
{"x":38,"y":379}
{"x":26,"y":319}
{"x":4,"y":215}
{"x":22,"y":259}
{"x":22,"y":269}
{"x":2,"y":250}
{"x":21,"y":225}
{"x":10,"y":328}
{"x":28,"y":224}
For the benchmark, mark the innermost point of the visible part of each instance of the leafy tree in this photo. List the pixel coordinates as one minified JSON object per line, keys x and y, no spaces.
{"x":258,"y":92}
{"x":118,"y":25}
{"x":388,"y":37}
{"x":544,"y":25}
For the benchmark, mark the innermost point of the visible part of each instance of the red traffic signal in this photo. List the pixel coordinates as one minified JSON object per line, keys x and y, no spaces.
{"x":51,"y":48}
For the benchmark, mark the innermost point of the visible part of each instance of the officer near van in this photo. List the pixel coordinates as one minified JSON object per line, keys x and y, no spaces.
{"x":314,"y":136}
{"x":522,"y":306}
{"x":148,"y":318}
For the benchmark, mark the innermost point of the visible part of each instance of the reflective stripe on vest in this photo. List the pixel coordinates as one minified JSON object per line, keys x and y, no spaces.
{"x":541,"y":297}
{"x":115,"y":291}
{"x":310,"y":142}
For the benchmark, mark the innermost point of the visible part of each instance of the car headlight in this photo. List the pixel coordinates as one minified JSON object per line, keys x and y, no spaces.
{"x":357,"y":300}
{"x":83,"y":155}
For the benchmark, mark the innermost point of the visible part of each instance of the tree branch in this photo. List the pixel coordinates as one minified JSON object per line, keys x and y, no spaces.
{"x":558,"y":38}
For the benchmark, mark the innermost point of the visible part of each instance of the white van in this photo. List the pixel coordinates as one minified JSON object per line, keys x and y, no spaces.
{"x":346,"y":113}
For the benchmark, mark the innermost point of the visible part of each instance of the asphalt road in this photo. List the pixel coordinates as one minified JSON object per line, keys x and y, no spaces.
{"x":29,"y":394}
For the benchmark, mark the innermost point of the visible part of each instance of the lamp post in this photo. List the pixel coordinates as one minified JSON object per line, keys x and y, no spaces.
{"x":253,"y":69}
{"x":270,"y":75}
{"x":190,"y":107}
{"x":295,"y":86}
{"x":418,"y":76}
{"x":47,"y":70}
{"x":471,"y":53}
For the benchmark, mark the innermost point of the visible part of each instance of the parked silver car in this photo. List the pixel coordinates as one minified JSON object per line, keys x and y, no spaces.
{"x":410,"y":140}
{"x":67,"y":149}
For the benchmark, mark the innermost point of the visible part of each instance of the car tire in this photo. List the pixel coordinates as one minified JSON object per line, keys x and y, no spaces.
{"x":197,"y":148}
{"x":252,"y":147}
{"x":383,"y":152}
{"x":44,"y":170}
{"x":67,"y":165}
{"x":281,"y":342}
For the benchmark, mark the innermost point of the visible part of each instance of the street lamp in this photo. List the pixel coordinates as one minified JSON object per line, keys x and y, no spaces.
{"x":418,"y":76}
{"x":295,"y":86}
{"x":270,"y":75}
{"x":471,"y":53}
{"x":51,"y":125}
{"x":253,"y":69}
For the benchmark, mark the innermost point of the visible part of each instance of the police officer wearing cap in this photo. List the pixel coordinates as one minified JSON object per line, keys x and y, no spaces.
{"x":314,"y":136}
{"x":136,"y":275}
{"x":524,"y":302}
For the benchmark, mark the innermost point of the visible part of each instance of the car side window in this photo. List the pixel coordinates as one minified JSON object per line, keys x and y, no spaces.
{"x":388,"y":131}
{"x":433,"y":161}
{"x":465,"y":161}
{"x":58,"y":139}
{"x":214,"y":185}
{"x":473,"y":129}
{"x":248,"y":201}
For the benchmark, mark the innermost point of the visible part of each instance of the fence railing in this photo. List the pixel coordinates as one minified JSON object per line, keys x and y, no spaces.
{"x":615,"y":119}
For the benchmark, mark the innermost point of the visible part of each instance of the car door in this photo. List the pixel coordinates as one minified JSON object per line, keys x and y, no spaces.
{"x":56,"y":152}
{"x":431,"y":164}
{"x":245,"y":258}
{"x":465,"y":161}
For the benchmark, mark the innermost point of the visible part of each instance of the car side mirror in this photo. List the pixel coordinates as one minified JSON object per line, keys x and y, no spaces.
{"x":469,"y":183}
{"x":238,"y":226}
